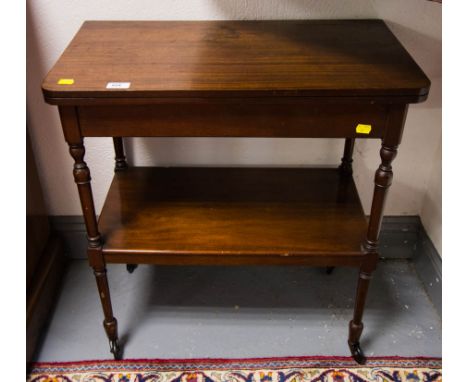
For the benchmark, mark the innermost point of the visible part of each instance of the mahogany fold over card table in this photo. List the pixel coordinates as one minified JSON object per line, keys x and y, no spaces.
{"x":291,"y":79}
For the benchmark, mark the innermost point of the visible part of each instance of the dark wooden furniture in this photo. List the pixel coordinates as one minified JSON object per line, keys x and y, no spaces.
{"x":45,"y":261}
{"x":329,"y":79}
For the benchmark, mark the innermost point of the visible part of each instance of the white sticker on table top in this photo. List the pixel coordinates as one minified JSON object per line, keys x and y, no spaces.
{"x":118,"y":85}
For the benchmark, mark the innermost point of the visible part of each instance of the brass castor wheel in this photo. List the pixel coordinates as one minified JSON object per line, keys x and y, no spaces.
{"x":329,"y":270}
{"x":115,"y":349}
{"x":131,"y":267}
{"x":356,"y":353}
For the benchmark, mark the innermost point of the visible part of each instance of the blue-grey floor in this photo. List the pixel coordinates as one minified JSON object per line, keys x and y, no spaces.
{"x":194,"y":312}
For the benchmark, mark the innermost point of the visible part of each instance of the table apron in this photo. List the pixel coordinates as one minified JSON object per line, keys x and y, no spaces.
{"x":289,"y":120}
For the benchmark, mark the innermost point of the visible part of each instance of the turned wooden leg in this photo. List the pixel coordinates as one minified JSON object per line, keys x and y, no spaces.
{"x":81,"y":173}
{"x":120,"y":161}
{"x":121,"y":164}
{"x":346,"y":172}
{"x":355,"y":325}
{"x":83,"y":180}
{"x":110,"y":323}
{"x":346,"y":167}
{"x":383,"y":180}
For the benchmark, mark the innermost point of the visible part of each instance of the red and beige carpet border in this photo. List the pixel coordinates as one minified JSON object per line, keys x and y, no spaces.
{"x":290,"y":369}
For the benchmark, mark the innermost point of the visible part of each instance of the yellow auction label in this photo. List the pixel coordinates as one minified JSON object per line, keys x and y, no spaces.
{"x":66,"y":81}
{"x":363,"y":129}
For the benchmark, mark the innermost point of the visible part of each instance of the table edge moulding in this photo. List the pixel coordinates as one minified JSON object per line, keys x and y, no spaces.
{"x":299,"y":78}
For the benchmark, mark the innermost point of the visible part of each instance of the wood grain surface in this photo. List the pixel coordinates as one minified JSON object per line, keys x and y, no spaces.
{"x":242,"y":119}
{"x":357,"y":58}
{"x":231,"y":212}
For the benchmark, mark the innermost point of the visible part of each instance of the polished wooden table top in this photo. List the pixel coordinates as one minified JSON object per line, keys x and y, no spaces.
{"x":341,"y":58}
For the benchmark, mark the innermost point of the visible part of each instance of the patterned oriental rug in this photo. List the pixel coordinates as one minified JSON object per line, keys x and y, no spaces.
{"x":292,"y":369}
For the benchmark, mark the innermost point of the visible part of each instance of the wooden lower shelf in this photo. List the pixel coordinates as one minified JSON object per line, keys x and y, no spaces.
{"x":232,"y":216}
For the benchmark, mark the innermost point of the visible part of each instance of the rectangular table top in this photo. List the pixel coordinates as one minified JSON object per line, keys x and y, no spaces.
{"x":314,"y":58}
